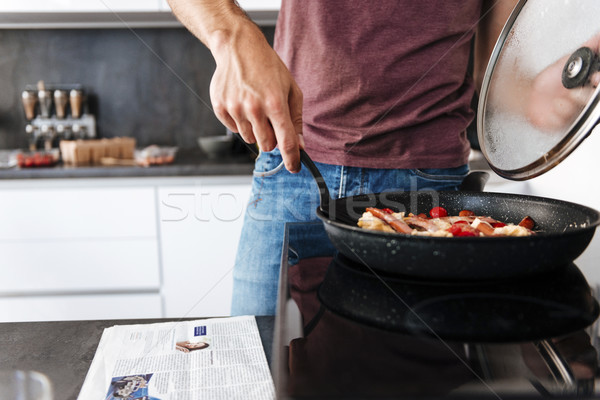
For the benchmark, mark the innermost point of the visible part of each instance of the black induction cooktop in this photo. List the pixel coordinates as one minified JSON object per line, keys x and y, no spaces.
{"x":535,"y":308}
{"x":345,"y":331}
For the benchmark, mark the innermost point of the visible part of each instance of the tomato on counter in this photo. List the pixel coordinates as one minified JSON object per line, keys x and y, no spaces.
{"x":37,"y":159}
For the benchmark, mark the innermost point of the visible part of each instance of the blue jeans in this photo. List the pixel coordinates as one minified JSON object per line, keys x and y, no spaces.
{"x":279,"y":197}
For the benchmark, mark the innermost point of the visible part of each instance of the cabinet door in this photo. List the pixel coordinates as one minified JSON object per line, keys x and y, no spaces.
{"x":200,"y":227}
{"x":77,"y":213}
{"x":114,"y":5}
{"x":58,"y":266}
{"x":79,"y":5}
{"x":257,"y":5}
{"x":66,"y":240}
{"x":248,"y":5}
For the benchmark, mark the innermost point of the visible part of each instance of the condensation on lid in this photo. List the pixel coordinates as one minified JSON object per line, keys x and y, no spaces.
{"x":528,"y":121}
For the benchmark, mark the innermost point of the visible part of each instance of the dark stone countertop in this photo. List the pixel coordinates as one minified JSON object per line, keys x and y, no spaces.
{"x":190,"y":163}
{"x":64,"y":350}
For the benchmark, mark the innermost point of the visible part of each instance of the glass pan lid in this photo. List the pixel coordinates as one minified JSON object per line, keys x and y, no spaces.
{"x":539,"y":95}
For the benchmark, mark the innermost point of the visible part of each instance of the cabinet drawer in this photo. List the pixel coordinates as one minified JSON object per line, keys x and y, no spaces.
{"x":77,"y":213}
{"x":78,"y":265}
{"x":80,"y":307}
{"x":200,"y":228}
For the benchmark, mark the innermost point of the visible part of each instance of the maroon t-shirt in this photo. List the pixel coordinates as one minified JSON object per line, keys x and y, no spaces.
{"x":385,"y":82}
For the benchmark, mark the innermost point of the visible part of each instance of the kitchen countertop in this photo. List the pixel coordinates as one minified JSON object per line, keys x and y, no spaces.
{"x":64,"y":350}
{"x":189,"y":163}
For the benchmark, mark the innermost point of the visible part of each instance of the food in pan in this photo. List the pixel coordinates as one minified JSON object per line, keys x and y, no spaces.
{"x":439,"y":224}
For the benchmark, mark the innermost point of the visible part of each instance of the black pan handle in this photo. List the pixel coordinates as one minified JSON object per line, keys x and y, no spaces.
{"x":324,"y":196}
{"x":474,"y":182}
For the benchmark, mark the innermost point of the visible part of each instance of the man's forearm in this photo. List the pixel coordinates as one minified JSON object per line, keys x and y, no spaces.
{"x":252,"y":91}
{"x":214,"y":22}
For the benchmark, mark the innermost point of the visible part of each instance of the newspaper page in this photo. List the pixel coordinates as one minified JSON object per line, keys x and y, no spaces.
{"x":218,"y":358}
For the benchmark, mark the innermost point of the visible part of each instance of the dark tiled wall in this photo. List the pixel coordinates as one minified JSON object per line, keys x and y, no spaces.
{"x":151,"y":84}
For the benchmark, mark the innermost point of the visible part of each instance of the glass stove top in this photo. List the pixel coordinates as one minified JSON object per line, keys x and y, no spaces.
{"x":345,"y":331}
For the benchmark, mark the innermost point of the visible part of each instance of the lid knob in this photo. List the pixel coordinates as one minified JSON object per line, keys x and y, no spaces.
{"x":578,"y":68}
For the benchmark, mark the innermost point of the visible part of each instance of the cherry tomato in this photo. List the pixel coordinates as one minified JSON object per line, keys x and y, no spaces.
{"x":468,"y":232}
{"x":498,"y":224}
{"x":466,"y":213}
{"x":455,"y":229}
{"x":438,"y":212}
{"x":388,"y":210}
{"x":462,"y":229}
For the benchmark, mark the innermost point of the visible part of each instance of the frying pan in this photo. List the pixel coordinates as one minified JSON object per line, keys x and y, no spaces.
{"x":564,"y":231}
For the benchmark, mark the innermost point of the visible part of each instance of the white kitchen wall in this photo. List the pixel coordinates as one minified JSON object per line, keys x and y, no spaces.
{"x":575,"y":180}
{"x":572,"y":180}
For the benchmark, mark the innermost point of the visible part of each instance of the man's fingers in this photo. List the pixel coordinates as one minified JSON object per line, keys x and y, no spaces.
{"x":288,"y":145}
{"x":264,"y":133}
{"x":287,"y":139}
{"x":226,"y":119}
{"x":290,"y":153}
{"x":295,"y":103}
{"x":247,"y":133}
{"x":262,"y":130}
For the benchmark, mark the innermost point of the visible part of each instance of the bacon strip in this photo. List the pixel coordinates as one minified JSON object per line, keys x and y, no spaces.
{"x":527,"y":222}
{"x":422,"y":223}
{"x":483,"y":227}
{"x":397,"y":224}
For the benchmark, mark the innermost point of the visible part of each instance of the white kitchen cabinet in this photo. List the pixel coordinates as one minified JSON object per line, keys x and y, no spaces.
{"x":252,"y":5}
{"x":200,"y":225}
{"x":69,"y":239}
{"x":72,"y":266}
{"x":77,"y":212}
{"x":248,"y":5}
{"x":92,"y":14}
{"x":119,"y":248}
{"x":79,"y":5}
{"x":116,"y":5}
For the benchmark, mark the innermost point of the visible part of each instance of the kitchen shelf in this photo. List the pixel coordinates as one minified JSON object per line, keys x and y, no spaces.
{"x":109,"y":20}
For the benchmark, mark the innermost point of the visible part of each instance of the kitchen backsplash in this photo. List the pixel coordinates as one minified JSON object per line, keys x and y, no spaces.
{"x":151,"y":84}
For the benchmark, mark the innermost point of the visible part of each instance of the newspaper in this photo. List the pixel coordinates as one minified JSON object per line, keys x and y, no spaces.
{"x":218,"y":358}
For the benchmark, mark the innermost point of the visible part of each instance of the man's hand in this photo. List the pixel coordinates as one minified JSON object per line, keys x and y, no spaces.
{"x":252,"y":91}
{"x":552,"y":107}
